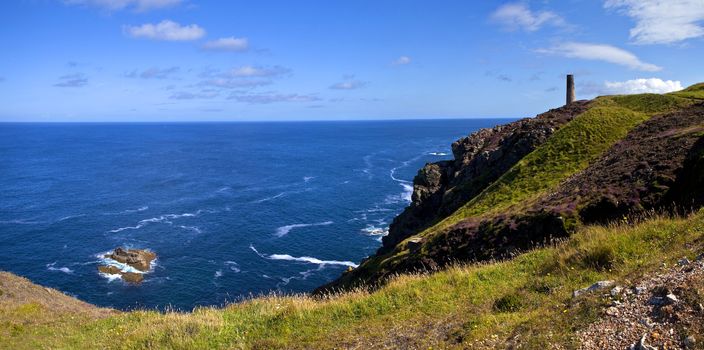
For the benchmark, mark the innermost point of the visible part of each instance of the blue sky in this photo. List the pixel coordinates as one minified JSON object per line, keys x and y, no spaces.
{"x":193,"y":60}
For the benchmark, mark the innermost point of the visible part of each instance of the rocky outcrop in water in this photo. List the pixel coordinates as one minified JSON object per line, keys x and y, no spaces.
{"x":139,"y":259}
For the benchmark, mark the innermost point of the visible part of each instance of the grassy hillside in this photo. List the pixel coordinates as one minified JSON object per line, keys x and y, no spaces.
{"x":476,"y":304}
{"x":570,"y":150}
{"x":567,"y":152}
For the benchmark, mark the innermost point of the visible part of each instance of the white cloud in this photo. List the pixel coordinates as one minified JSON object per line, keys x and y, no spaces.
{"x":185,"y":95}
{"x":401,"y":61}
{"x":662,"y":22}
{"x":227,"y":44}
{"x":600,"y":52}
{"x":154,"y":73}
{"x":518,"y":16}
{"x":72,"y":80}
{"x":256,"y":71}
{"x":229,"y":83}
{"x":166,"y":30}
{"x":641,"y":86}
{"x":349,"y":85}
{"x":266,"y":98}
{"x":137,"y":5}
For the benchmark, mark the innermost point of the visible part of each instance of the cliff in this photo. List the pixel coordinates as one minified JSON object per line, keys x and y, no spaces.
{"x":514,"y":187}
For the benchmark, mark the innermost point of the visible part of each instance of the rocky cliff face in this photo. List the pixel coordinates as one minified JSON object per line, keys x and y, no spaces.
{"x":658,"y":166}
{"x":479,"y":159}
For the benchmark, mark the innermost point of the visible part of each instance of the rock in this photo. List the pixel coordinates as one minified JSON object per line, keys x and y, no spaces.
{"x":596,"y":286}
{"x":671,"y":299}
{"x":683,"y":262}
{"x":132,"y":277}
{"x":612,"y":311}
{"x":140,"y":259}
{"x":690,"y":342}
{"x":479,"y":159}
{"x":110,"y":270}
{"x":656,"y":301}
{"x":414,"y":244}
{"x":616,"y":291}
{"x":700,"y":257}
{"x":643,"y":346}
{"x":640,"y":290}
{"x":647,"y":322}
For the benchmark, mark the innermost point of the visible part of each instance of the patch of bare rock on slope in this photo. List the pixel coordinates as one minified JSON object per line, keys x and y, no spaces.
{"x":663,"y":311}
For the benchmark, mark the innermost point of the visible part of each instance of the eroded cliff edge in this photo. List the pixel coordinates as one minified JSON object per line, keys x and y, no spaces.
{"x":442,"y":187}
{"x":517,"y":186}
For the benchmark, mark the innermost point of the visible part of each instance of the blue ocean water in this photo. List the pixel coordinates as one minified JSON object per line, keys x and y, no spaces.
{"x":231,"y":209}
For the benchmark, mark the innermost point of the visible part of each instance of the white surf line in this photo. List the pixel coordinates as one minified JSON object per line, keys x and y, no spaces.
{"x":305,"y":259}
{"x":166,"y":218}
{"x":51,"y":267}
{"x":284,"y":230}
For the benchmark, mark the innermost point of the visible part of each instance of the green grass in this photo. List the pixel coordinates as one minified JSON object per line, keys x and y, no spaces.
{"x":530,"y":295}
{"x":693,"y":92}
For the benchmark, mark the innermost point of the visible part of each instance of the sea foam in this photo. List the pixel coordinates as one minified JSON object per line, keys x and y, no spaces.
{"x":284,"y":230}
{"x":51,"y":267}
{"x":305,"y":259}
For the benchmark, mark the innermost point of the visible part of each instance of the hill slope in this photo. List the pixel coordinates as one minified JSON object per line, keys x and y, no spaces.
{"x":621,"y":155}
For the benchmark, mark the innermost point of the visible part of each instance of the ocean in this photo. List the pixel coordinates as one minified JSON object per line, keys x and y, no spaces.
{"x":232,"y":209}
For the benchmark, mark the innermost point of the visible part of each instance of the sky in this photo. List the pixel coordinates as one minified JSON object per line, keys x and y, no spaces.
{"x":207,"y":60}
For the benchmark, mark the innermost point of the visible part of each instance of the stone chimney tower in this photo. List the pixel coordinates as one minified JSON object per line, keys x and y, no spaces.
{"x":570,"y":89}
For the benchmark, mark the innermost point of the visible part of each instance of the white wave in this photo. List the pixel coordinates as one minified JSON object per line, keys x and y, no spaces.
{"x":121,"y":266}
{"x":218,"y":273}
{"x":302,"y":276}
{"x":192,"y":228}
{"x":233,"y":266}
{"x":111,"y":277}
{"x":308,"y":178}
{"x":284,"y":230}
{"x":128,"y":211}
{"x":166,"y":218}
{"x":71,"y":217}
{"x":305,"y":259}
{"x":407,"y":192}
{"x":270,"y":198}
{"x":437,"y":153}
{"x":224,"y":189}
{"x":375,"y":231}
{"x":376,"y":210}
{"x":62,"y":269}
{"x":405,"y":196}
{"x":21,"y":222}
